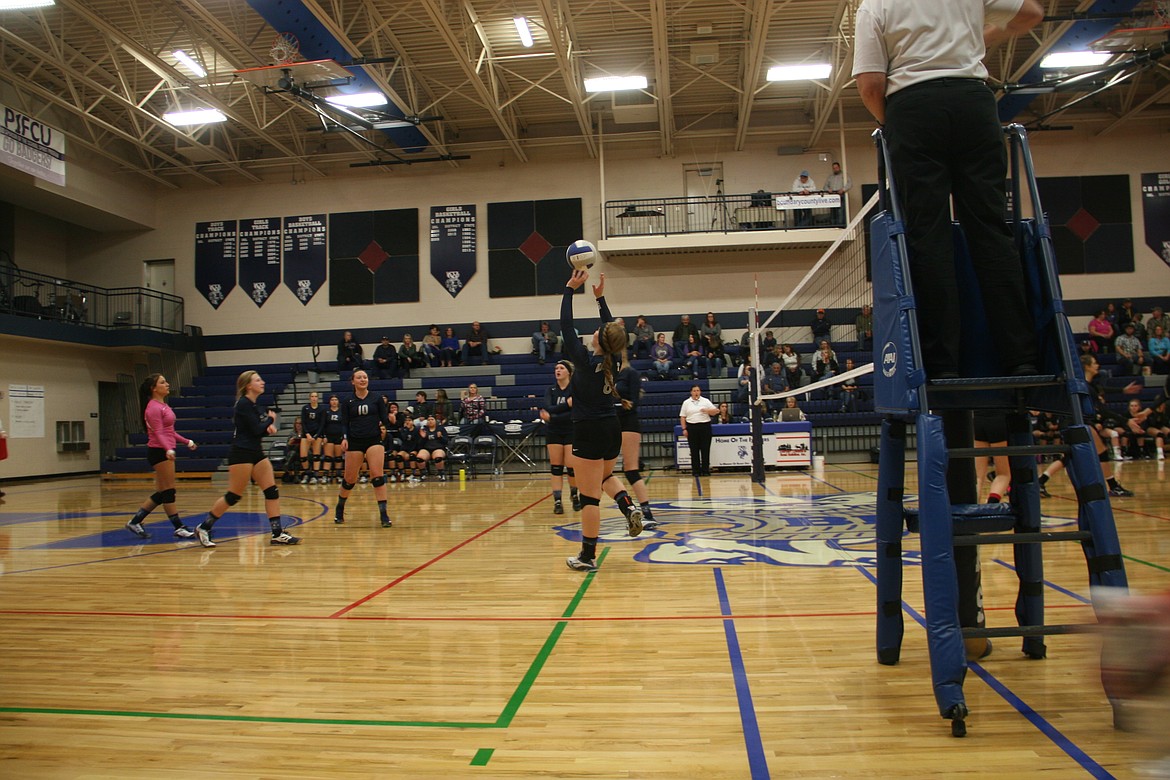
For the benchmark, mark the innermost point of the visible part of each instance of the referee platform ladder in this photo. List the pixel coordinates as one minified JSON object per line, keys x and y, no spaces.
{"x":950,"y":523}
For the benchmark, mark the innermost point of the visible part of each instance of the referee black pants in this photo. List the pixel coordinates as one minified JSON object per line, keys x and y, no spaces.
{"x":945,"y":140}
{"x":699,"y":440}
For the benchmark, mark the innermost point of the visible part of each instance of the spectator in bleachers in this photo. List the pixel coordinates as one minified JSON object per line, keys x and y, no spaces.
{"x":693,"y":356}
{"x":712,"y":332}
{"x":1130,"y":355}
{"x":1125,"y":314}
{"x":385,"y":360}
{"x":1087,"y":347}
{"x":349,"y":354}
{"x":682,"y":334}
{"x":448,"y":348}
{"x":803,"y":185}
{"x":724,"y":417}
{"x":1157,"y":318}
{"x":1159,"y":351}
{"x":442,"y":409}
{"x":851,"y":394}
{"x":791,"y":411}
{"x":745,"y":380}
{"x":473,"y":411}
{"x":410,"y":356}
{"x":768,"y":343}
{"x":792,"y":369}
{"x":476,"y":343}
{"x":544,"y":341}
{"x":821,"y":327}
{"x":864,"y":325}
{"x":421,"y":409}
{"x":662,"y":357}
{"x":431,"y":344}
{"x":825,"y":365}
{"x":775,"y":381}
{"x":643,"y":337}
{"x":1139,"y":328}
{"x":1101,"y":331}
{"x":1112,"y":316}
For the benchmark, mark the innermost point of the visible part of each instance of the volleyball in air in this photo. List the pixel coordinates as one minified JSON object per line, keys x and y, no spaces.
{"x":581,"y":255}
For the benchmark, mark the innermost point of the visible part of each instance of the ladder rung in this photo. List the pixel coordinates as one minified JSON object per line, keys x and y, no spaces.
{"x":967,"y":540}
{"x":995,"y":382}
{"x":1023,"y":449}
{"x":1067,"y":628}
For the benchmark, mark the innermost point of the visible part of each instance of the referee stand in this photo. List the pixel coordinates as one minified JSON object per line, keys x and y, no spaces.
{"x":950,"y":523}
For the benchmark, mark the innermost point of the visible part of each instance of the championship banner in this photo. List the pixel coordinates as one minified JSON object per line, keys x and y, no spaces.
{"x":1156,"y":213}
{"x":259,"y":257}
{"x":215,"y":260}
{"x":32,"y":146}
{"x":305,"y":255}
{"x":453,"y":246}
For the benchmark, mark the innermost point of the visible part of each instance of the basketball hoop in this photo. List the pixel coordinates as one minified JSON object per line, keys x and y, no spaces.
{"x":285,"y":49}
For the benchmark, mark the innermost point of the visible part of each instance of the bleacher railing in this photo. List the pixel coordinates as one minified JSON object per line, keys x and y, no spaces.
{"x":30,"y":294}
{"x":723,"y":213}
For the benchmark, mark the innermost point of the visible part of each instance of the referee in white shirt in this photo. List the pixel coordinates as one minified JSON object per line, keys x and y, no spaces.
{"x":695,"y":418}
{"x":919,"y":70}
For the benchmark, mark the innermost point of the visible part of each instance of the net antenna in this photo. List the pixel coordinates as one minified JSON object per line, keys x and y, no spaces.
{"x":285,"y":49}
{"x":839,"y":283}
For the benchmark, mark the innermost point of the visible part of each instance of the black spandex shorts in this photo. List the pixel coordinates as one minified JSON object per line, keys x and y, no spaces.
{"x":630,"y":422}
{"x":990,"y":426}
{"x":155,"y":455}
{"x":334,"y":438}
{"x":559,"y":437}
{"x":361,"y":445}
{"x":597,"y":439}
{"x":236,"y":456}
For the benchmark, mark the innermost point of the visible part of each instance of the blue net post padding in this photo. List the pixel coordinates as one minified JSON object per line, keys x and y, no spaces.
{"x":948,"y":661}
{"x":898,"y":376}
{"x":1095,"y":515}
{"x":1029,"y":561}
{"x":890,"y":491}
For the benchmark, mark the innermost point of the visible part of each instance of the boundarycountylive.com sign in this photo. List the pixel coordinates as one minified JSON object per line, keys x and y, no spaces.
{"x":30,"y":145}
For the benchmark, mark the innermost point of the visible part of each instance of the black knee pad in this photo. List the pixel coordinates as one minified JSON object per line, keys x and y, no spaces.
{"x":346,"y":485}
{"x":378,"y":481}
{"x":438,"y":462}
{"x":1105,"y":456}
{"x":590,"y":501}
{"x":231,"y":499}
{"x":557,"y":470}
{"x":158,"y":497}
{"x":569,"y":472}
{"x":633,"y":475}
{"x":271,"y":493}
{"x":167,"y":496}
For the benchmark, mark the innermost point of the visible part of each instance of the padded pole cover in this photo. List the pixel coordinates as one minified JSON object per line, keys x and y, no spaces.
{"x":890,"y":490}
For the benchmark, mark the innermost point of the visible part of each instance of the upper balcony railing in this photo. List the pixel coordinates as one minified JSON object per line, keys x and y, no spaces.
{"x":30,"y":294}
{"x":724,"y":214}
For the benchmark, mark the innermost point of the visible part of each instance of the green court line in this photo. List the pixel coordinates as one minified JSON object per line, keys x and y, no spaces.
{"x":509,"y":712}
{"x":1146,"y":563}
{"x":482,"y":756}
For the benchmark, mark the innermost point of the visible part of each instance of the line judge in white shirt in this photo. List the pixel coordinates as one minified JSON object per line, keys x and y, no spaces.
{"x":695,"y":418}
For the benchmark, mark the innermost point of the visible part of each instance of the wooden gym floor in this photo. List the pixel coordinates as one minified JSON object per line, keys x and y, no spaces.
{"x":737,"y":641}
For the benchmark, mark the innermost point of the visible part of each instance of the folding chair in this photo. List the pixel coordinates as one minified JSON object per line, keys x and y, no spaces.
{"x":483,"y":451}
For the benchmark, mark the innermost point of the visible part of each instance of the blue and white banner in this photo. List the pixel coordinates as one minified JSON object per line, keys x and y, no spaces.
{"x":259,"y":257}
{"x":1156,"y":213}
{"x":453,"y":245}
{"x":30,"y":145}
{"x":305,"y":255}
{"x":215,"y":260}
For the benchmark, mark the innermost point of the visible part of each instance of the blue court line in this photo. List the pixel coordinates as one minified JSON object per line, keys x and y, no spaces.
{"x":757,"y":761}
{"x":1053,"y":585}
{"x":1066,"y":745}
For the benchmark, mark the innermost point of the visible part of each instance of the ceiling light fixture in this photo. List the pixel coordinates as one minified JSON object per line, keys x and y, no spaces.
{"x":191,"y":64}
{"x":615,"y":83}
{"x":16,"y":5}
{"x":808,"y":72}
{"x":358,"y":99}
{"x":199,"y":116}
{"x":1075,"y":59}
{"x":525,"y":33}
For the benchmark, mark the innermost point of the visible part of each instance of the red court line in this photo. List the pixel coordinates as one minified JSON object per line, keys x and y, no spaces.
{"x":479,"y":619}
{"x":341,"y":612}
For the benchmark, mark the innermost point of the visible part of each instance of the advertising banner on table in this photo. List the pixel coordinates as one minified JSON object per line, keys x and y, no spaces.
{"x":453,"y":246}
{"x":259,"y":257}
{"x":215,"y":260}
{"x":305,"y":255}
{"x":30,"y":145}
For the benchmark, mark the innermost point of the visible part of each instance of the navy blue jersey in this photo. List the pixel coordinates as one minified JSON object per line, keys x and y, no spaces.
{"x":591,"y":401}
{"x":629,"y":387}
{"x":362,"y":416}
{"x":333,"y":422}
{"x":433,"y":440}
{"x":251,"y":422}
{"x":312,"y":419}
{"x":560,"y":412}
{"x":411,"y":441}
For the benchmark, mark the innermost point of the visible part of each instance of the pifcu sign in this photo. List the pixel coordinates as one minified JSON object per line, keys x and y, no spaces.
{"x":32,"y":146}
